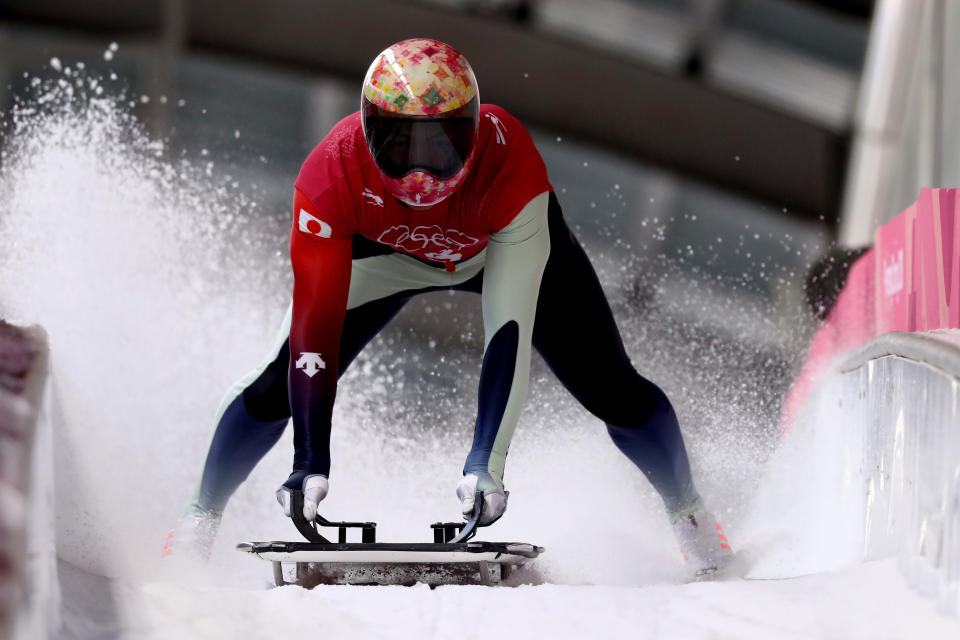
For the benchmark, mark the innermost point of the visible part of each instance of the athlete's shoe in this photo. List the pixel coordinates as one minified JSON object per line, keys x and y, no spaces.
{"x":704,"y":546}
{"x":193,"y":537}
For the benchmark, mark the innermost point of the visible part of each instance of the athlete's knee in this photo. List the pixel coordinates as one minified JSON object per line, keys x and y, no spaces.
{"x":267,"y":408}
{"x":656,"y":407}
{"x":625,"y":399}
{"x":267,"y":398}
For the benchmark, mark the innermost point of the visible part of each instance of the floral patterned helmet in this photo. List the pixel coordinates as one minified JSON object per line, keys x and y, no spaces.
{"x":421,"y":111}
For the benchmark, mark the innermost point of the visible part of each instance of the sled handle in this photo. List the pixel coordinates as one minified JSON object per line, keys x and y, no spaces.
{"x":307,"y":529}
{"x":470,"y":529}
{"x":310,"y":530}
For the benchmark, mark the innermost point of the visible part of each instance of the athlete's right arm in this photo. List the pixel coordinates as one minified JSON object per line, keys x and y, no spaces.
{"x":321,"y":281}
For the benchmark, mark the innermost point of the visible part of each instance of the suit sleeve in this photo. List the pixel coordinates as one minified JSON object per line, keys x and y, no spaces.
{"x":320,"y":252}
{"x":522,"y":174}
{"x":516,"y":258}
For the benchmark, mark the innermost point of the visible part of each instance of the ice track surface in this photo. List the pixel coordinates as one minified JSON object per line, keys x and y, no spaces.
{"x":161,"y":279}
{"x":868,"y":602}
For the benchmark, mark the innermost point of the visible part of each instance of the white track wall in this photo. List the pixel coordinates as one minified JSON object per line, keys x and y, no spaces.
{"x":896,"y":403}
{"x":29,"y":594}
{"x":40,"y":617}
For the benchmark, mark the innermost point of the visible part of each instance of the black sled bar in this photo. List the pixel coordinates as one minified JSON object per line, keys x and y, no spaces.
{"x":309,"y":530}
{"x":470,"y":529}
{"x":444,"y":530}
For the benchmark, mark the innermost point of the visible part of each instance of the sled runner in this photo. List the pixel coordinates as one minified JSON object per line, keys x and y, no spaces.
{"x":452,"y":558}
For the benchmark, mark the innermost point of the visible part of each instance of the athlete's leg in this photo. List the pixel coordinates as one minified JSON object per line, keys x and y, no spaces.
{"x":576,"y":334}
{"x":249,"y":421}
{"x":256,"y":409}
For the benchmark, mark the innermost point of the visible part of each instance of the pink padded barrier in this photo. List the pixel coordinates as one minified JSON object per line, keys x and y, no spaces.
{"x":893,"y":248}
{"x":952,"y":284}
{"x":932,"y":254}
{"x":858,"y":317}
{"x":909,"y":281}
{"x":849,"y":325}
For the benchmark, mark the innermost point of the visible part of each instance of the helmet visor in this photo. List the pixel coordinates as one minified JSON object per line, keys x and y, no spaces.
{"x":438,"y":145}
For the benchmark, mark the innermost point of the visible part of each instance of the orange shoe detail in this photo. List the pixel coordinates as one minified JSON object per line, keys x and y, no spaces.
{"x":698,"y":547}
{"x":167,"y":550}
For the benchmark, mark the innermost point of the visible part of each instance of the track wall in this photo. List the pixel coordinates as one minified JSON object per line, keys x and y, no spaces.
{"x":29,"y":597}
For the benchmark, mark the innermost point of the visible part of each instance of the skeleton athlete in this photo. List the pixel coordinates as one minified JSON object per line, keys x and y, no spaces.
{"x":427,"y":189}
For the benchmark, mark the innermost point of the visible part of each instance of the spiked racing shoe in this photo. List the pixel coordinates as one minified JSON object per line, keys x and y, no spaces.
{"x":704,"y":545}
{"x":192,"y":539}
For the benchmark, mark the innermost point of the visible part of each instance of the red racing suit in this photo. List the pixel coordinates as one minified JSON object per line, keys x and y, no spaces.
{"x":339,"y":195}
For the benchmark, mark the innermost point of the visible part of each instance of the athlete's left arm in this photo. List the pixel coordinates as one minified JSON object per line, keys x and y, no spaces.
{"x":516,"y":258}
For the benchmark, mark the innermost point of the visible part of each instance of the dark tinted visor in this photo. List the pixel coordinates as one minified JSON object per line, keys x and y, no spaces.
{"x":438,"y":145}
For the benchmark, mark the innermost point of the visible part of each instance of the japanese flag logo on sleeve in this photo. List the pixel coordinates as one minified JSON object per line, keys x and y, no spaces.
{"x":308,"y":220}
{"x":313,"y":225}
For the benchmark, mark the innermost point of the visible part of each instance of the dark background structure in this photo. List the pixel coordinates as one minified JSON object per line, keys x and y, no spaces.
{"x":683,"y":84}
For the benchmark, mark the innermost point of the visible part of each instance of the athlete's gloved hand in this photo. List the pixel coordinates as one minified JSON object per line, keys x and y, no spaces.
{"x":494,"y":497}
{"x":315,"y":488}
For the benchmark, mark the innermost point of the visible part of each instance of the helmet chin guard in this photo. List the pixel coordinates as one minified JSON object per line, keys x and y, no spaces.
{"x":420,"y":111}
{"x":421,"y":188}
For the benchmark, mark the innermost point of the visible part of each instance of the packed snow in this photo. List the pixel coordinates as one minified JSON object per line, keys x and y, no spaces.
{"x":160,"y":281}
